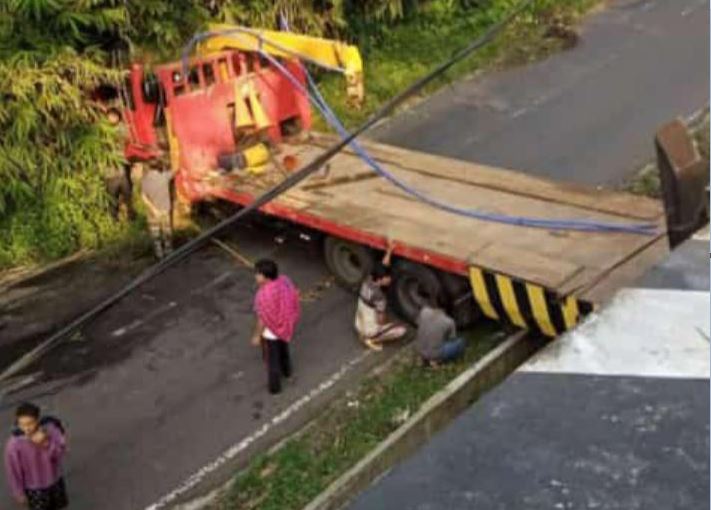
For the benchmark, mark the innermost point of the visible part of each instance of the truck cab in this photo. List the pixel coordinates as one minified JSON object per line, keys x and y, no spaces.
{"x":204,"y":112}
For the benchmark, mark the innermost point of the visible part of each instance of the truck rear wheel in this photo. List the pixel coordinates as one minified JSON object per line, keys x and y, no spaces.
{"x":413,"y":287}
{"x":460,"y":301}
{"x":350,"y":263}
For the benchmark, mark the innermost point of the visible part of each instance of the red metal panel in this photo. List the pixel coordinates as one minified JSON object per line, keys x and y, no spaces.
{"x":141,"y":143}
{"x":281,"y":100}
{"x":417,"y":254}
{"x":202,"y":123}
{"x":202,"y":113}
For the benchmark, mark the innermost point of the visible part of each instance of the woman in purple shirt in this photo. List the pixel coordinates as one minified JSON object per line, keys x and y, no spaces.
{"x":33,"y":460}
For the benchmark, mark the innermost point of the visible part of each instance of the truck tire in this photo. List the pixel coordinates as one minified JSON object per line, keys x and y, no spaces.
{"x":460,"y":301}
{"x":350,"y":263}
{"x":413,"y":286}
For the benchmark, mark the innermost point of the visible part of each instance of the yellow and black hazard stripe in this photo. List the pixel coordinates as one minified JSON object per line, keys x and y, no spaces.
{"x":525,"y":304}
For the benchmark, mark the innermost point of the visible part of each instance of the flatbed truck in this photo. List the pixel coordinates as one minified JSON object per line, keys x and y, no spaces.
{"x":217,"y":111}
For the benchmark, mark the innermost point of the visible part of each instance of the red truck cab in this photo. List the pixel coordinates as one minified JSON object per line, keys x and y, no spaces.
{"x":194,"y":111}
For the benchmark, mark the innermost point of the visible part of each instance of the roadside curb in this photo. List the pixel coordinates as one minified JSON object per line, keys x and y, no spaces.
{"x":434,"y":414}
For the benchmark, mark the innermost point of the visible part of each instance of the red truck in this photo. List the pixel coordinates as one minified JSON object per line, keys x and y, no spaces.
{"x":234,"y":126}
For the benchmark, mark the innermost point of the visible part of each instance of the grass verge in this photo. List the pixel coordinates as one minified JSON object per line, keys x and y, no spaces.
{"x":348,"y":429}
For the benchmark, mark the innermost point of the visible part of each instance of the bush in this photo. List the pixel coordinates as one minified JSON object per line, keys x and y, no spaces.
{"x":54,"y":146}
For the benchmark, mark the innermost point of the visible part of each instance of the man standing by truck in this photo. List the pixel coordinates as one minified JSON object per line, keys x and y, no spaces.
{"x":278,"y":309}
{"x":371,"y":321}
{"x":157,"y":194}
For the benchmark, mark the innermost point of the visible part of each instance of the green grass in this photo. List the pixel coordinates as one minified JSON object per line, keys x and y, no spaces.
{"x":410,"y":49}
{"x":344,"y":432}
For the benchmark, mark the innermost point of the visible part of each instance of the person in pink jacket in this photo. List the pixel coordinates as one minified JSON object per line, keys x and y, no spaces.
{"x":33,"y":460}
{"x":277,"y":308}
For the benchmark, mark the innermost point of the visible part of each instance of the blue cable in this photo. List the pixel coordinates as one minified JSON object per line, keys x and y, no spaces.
{"x":320,"y":103}
{"x":582,"y":225}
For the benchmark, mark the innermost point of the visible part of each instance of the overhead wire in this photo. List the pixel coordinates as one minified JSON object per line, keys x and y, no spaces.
{"x":330,"y":116}
{"x":292,"y":180}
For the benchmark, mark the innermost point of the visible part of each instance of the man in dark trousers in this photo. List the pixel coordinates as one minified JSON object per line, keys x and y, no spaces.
{"x":157,"y":194}
{"x":33,"y":460}
{"x":277,"y":308}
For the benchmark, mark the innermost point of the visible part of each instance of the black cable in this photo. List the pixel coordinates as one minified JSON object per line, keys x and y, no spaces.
{"x":260,"y":201}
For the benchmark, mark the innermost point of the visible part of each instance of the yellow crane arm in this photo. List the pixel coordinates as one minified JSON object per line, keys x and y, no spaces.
{"x":326,"y":53}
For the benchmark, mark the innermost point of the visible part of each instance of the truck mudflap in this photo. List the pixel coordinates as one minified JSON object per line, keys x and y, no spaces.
{"x":524,"y":304}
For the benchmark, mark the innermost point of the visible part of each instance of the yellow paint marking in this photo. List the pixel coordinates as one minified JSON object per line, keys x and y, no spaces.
{"x":540,"y":309}
{"x":480,"y":293}
{"x":508,"y":298}
{"x":570,"y":312}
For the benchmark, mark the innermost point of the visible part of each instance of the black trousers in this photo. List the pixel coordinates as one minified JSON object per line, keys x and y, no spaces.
{"x":52,"y":498}
{"x":120,"y":189}
{"x":278,"y":360}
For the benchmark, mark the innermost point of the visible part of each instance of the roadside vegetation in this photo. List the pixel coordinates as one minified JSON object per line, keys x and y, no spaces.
{"x":303,"y":466}
{"x":55,"y":145}
{"x":396,"y":58}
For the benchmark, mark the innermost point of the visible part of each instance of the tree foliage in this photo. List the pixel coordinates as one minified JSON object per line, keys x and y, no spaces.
{"x":54,"y":143}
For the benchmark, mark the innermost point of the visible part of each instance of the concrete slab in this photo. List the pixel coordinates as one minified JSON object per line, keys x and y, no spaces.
{"x":643,"y":332}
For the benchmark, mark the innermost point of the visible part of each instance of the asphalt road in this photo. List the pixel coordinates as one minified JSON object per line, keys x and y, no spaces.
{"x":585,"y":115}
{"x":633,"y":443}
{"x":164,"y":391}
{"x":166,"y":384}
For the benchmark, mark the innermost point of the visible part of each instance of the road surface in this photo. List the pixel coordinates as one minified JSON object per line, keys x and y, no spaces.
{"x":587,"y":115}
{"x":164,"y":391}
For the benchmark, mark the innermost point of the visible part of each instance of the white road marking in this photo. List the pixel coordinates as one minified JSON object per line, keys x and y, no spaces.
{"x":229,"y":454}
{"x":642,"y":332}
{"x":168,"y":306}
{"x":692,"y":8}
{"x":213,"y":282}
{"x":701,"y":235}
{"x":146,"y":318}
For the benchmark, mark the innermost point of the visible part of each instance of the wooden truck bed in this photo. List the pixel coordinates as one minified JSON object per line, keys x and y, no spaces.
{"x":352,"y":202}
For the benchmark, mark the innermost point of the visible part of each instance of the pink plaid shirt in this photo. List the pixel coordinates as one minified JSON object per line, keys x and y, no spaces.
{"x":277,"y":306}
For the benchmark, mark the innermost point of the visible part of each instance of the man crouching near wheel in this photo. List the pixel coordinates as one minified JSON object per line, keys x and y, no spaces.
{"x":371,"y":321}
